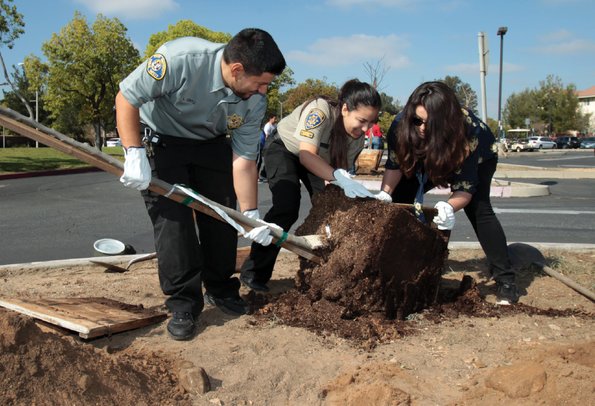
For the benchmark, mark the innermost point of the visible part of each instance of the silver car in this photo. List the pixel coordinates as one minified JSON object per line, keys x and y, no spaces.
{"x":541,"y":143}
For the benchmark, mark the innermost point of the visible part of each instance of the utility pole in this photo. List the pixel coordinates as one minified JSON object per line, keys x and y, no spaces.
{"x":501,"y":32}
{"x":483,"y":71}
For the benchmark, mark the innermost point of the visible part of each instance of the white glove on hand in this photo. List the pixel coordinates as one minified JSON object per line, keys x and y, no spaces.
{"x":262,"y":235}
{"x":384,"y":197}
{"x":254,"y":214}
{"x":137,"y":170}
{"x":445,"y":220}
{"x":349,"y":186}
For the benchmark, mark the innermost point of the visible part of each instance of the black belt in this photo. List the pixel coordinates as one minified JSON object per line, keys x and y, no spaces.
{"x":155,"y":138}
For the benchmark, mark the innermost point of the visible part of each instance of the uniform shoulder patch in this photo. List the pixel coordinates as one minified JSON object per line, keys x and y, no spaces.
{"x":314,"y":118}
{"x":157,"y":66}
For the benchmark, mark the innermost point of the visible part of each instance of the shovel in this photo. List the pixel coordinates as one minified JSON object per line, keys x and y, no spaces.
{"x":112,"y":268}
{"x":524,"y":255}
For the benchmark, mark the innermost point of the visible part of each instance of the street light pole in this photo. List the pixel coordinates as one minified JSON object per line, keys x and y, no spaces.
{"x":501,"y":32}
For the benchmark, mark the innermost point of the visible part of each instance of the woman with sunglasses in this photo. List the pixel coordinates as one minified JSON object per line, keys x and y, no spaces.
{"x":436,"y":142}
{"x":319,"y":141}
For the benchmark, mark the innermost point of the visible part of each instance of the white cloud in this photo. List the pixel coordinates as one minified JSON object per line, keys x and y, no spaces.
{"x":356,"y":49}
{"x":563,"y":42}
{"x":573,"y":46}
{"x":138,"y":10}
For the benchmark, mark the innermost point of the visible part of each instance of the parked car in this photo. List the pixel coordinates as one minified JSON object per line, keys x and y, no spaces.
{"x":567,"y":141}
{"x":541,"y":143}
{"x":113,"y":142}
{"x":588,"y":142}
{"x":519,"y":146}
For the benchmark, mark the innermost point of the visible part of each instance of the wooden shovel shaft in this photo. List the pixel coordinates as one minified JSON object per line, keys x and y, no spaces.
{"x":38,"y":132}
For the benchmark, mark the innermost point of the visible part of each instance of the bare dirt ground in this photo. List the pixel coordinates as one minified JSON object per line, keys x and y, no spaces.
{"x":541,"y":351}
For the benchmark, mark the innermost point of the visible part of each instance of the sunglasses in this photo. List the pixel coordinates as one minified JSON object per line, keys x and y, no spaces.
{"x":418,"y":121}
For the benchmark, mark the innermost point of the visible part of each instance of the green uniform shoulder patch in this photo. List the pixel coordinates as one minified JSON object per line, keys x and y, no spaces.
{"x":157,"y":66}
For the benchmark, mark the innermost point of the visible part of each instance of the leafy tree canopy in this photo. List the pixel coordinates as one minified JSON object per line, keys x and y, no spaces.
{"x":84,"y":66}
{"x":306,"y":90}
{"x":11,"y":23}
{"x":184,"y":28}
{"x":552,"y":108}
{"x":465,"y":93}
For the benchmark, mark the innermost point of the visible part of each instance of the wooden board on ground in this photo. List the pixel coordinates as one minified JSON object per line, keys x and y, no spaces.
{"x":369,"y":160}
{"x":90,"y":317}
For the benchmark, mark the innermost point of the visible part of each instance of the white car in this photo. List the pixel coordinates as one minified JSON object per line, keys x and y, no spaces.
{"x":113,"y":142}
{"x":541,"y":143}
{"x":520,"y":145}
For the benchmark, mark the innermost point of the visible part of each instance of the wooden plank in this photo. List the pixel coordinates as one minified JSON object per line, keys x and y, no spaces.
{"x":90,"y":317}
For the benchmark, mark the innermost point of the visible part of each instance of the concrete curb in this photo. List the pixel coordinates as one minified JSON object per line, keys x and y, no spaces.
{"x":60,"y":263}
{"x":123,"y":259}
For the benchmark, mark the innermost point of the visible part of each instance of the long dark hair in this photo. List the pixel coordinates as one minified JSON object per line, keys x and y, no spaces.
{"x":444,"y":146}
{"x":353,"y":94}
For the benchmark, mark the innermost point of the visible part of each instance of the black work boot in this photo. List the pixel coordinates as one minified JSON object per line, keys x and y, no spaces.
{"x":248,"y":280}
{"x":506,"y":293}
{"x":234,"y":305}
{"x":181,"y":326}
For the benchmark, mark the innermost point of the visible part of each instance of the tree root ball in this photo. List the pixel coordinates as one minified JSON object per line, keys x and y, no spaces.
{"x":380,"y":259}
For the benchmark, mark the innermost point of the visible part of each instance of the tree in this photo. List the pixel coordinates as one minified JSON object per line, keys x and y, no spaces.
{"x":558,"y":105}
{"x":275,"y":97}
{"x":306,"y":90}
{"x":465,"y":94}
{"x":389,"y":105}
{"x":520,"y":107}
{"x":85,"y":65}
{"x":551,"y":108}
{"x":28,"y":80}
{"x":11,"y":28}
{"x":376,"y":72}
{"x":184,"y":28}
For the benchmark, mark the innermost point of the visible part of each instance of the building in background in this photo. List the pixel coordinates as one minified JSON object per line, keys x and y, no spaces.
{"x":586,"y":102}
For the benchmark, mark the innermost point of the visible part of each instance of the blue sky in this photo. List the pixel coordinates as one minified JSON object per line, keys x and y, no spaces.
{"x":417,"y":40}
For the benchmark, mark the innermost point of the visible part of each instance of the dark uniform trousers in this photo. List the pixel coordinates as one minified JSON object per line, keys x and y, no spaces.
{"x":193,"y":248}
{"x":479,"y":211}
{"x":284,"y":173}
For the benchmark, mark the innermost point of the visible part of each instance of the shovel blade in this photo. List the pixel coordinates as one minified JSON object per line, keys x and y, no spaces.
{"x":524,"y":255}
{"x":110,"y":268}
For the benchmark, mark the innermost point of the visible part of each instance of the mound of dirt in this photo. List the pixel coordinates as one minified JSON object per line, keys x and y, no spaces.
{"x":372,"y":271}
{"x":44,"y":368}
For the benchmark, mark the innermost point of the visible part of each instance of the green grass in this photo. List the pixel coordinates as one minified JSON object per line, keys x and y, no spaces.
{"x":15,"y":160}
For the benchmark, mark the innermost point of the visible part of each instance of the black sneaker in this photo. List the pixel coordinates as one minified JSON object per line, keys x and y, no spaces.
{"x":231,"y":305}
{"x":506,"y":293}
{"x":181,"y":326}
{"x":252,"y":284}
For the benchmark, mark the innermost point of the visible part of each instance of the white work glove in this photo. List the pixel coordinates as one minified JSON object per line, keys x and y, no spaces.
{"x":445,"y":219}
{"x":384,"y":197}
{"x":262,"y":235}
{"x":350,"y":187}
{"x":137,"y":170}
{"x":254,"y":214}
